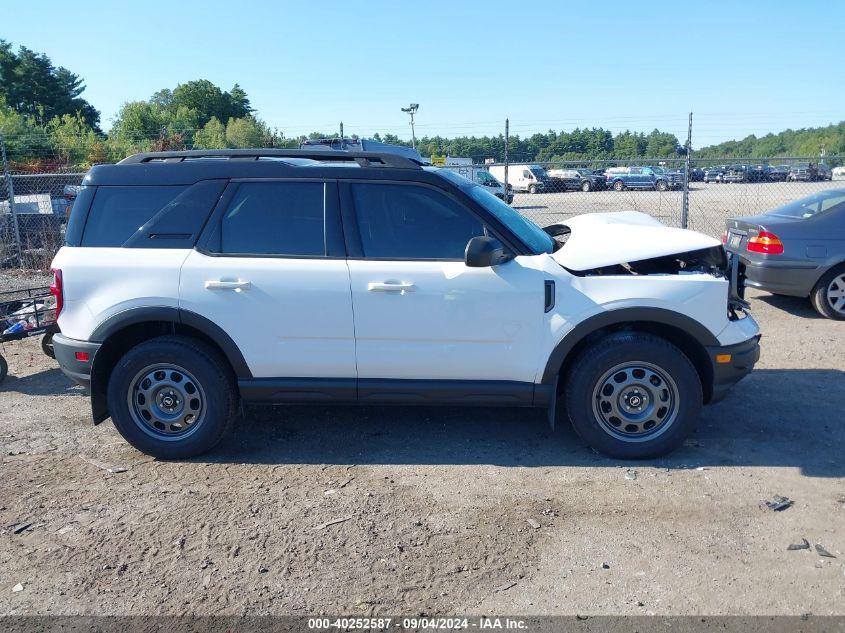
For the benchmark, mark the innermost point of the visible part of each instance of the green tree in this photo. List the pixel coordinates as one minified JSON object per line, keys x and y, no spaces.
{"x":31,"y":85}
{"x":211,"y":136}
{"x":73,"y":140}
{"x":248,"y":132}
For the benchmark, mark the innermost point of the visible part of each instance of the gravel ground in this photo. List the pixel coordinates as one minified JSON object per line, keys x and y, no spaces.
{"x":411,"y":510}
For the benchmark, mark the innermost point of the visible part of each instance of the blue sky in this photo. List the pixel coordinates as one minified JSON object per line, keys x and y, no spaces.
{"x":742,"y":67}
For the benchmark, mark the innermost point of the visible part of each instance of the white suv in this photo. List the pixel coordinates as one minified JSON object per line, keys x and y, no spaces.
{"x":192,"y":281}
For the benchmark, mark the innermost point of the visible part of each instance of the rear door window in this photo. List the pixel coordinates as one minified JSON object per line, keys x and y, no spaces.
{"x":275,"y":218}
{"x":118,"y":212}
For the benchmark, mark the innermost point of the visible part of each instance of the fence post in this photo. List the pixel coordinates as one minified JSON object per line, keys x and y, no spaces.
{"x":10,"y":189}
{"x":507,"y":130}
{"x":685,"y":204}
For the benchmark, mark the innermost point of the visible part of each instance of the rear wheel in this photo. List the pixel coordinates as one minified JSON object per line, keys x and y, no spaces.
{"x":172,"y":397}
{"x":828,"y":296}
{"x":633,"y":396}
{"x":586,"y":186}
{"x":4,"y":369}
{"x":618,"y":185}
{"x":532,"y":189}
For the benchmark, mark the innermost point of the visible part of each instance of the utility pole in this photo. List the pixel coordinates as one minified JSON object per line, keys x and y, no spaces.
{"x":10,"y":190}
{"x":412,"y":110}
{"x":685,"y":206}
{"x":507,"y":133}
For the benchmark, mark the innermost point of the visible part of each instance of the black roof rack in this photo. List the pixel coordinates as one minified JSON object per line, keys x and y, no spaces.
{"x":364,"y":159}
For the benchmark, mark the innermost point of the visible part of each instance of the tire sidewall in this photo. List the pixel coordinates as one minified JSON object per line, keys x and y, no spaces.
{"x":206,"y":369}
{"x":620,"y":348}
{"x":819,"y":295}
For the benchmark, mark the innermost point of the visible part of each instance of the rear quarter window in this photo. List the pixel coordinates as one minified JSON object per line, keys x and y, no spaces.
{"x":118,"y":212}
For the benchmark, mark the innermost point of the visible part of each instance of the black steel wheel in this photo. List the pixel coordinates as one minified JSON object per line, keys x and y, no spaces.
{"x":633,"y":395}
{"x":172,"y":397}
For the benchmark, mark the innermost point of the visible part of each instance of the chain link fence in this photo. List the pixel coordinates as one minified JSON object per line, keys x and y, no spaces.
{"x":717,"y":189}
{"x":34,"y":207}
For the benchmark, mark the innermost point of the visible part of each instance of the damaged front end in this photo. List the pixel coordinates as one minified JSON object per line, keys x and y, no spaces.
{"x":634,"y":243}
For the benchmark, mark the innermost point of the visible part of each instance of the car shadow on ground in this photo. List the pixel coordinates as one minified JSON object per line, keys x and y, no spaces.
{"x":790,"y":418}
{"x":796,"y":306}
{"x":50,"y":382}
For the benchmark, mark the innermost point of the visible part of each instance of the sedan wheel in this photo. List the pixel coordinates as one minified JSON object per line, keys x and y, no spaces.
{"x":585,"y":186}
{"x":828,"y":297}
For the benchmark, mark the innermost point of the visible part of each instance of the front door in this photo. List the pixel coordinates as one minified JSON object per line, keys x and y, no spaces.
{"x":420,"y":312}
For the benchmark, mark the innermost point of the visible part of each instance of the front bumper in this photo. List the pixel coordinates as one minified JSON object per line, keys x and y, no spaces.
{"x":731,"y":363}
{"x":75,"y":358}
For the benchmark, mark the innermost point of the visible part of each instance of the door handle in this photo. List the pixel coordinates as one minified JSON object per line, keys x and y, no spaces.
{"x":216,"y":284}
{"x":403,"y":287}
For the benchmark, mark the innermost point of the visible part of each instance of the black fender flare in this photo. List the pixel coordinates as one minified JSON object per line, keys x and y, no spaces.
{"x":660,"y":316}
{"x":178,"y":316}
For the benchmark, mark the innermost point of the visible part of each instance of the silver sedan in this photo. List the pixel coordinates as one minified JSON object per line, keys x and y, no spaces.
{"x":797,"y":249}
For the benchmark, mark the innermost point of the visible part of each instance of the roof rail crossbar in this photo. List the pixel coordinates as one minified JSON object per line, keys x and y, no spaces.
{"x":364,"y":159}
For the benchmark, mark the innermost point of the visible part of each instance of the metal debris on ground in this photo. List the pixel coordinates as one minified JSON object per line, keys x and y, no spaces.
{"x":804,"y":544}
{"x":505,"y":587}
{"x":779,"y":503}
{"x":630,"y":474}
{"x":323,"y":526}
{"x":111,"y":469}
{"x":823,"y":552}
{"x":18,"y":587}
{"x":533,"y":523}
{"x":22,"y":527}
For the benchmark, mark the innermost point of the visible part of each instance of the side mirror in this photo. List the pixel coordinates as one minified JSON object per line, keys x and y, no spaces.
{"x":483,"y":251}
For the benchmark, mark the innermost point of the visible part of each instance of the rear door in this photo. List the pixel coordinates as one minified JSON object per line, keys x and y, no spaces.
{"x":271,"y":271}
{"x":420,"y":312}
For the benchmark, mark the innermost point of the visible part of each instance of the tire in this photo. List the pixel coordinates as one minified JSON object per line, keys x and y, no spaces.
{"x":658,"y":378}
{"x":175,"y":371}
{"x":47,"y":342}
{"x":618,"y":186}
{"x":532,"y":189}
{"x":586,"y":186}
{"x":830,"y":307}
{"x":661,"y":185}
{"x":4,"y":369}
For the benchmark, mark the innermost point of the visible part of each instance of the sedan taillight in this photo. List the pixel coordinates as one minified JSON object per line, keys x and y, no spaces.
{"x":765,"y":242}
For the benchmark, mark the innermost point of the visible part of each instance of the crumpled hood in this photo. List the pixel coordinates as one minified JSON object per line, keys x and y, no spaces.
{"x":605,"y":239}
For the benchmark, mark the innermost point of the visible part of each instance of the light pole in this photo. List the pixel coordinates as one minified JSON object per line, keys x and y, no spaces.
{"x":412,"y":110}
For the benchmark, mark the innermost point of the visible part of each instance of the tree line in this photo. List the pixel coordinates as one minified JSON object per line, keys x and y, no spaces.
{"x":45,"y":123}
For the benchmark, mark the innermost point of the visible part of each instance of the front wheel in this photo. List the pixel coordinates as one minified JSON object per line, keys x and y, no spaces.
{"x":618,"y":185}
{"x":172,"y":397}
{"x":633,"y":396}
{"x":828,"y":296}
{"x":532,"y":189}
{"x":661,"y":185}
{"x":586,"y":186}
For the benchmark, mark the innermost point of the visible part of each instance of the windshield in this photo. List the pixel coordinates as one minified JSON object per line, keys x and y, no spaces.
{"x":814,"y":205}
{"x":584,"y":172}
{"x":485,"y":177}
{"x":539,"y":172}
{"x":537,"y":240}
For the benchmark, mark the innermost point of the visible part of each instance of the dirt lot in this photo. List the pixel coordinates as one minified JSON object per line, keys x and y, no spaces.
{"x":433,"y":505}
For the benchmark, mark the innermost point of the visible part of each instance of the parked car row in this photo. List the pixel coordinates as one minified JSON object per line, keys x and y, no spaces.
{"x":807,"y":172}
